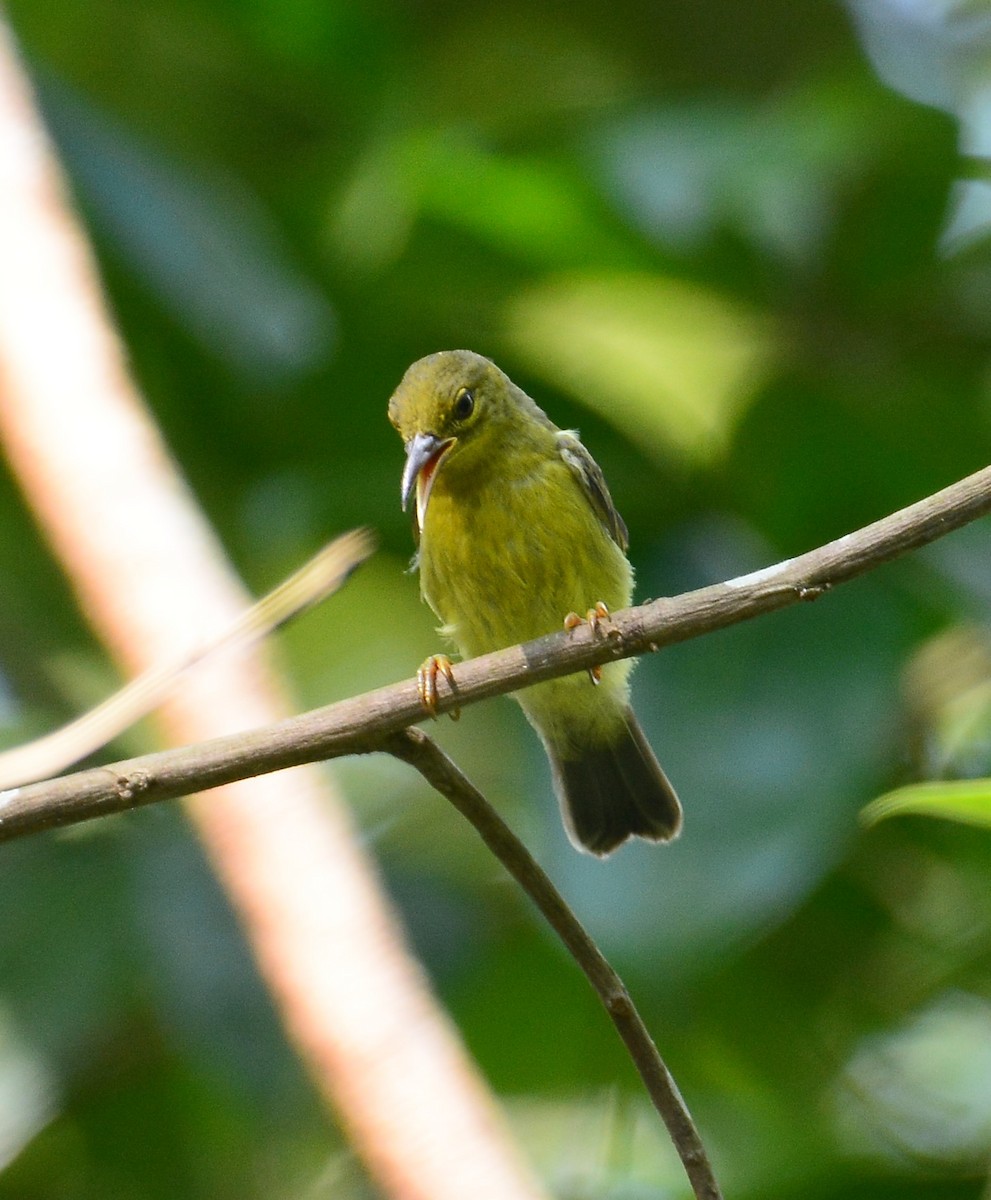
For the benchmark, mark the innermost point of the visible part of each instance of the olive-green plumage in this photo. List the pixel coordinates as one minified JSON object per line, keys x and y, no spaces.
{"x":517,"y":529}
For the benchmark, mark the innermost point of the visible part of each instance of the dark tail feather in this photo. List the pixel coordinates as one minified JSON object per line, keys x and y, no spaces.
{"x":616,"y":792}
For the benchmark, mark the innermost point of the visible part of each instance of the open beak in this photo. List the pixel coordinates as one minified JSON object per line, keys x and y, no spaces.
{"x":424,"y":454}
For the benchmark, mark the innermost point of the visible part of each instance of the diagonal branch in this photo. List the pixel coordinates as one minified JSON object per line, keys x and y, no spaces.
{"x":317,"y":579}
{"x":414,"y":747}
{"x":359,"y":724}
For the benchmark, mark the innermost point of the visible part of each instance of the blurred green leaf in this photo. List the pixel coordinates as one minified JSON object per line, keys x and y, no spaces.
{"x":671,"y":363}
{"x":532,"y":209}
{"x":923,"y":1089}
{"x":964,"y":800}
{"x":774,"y":170}
{"x":27,"y":1092}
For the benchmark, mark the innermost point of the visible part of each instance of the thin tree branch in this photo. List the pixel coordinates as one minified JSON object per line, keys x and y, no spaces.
{"x":414,"y":747}
{"x":360,"y":723}
{"x":317,"y":579}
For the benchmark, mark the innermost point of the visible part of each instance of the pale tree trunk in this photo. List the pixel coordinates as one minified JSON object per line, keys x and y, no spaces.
{"x":154,"y":582}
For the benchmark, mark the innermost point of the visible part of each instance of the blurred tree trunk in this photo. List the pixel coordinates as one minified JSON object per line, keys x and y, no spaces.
{"x":154,"y":582}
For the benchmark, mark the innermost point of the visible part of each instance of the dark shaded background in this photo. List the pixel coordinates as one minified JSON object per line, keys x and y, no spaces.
{"x":744,"y":248}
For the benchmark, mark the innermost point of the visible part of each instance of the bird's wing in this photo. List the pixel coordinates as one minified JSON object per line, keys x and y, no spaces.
{"x":588,"y":473}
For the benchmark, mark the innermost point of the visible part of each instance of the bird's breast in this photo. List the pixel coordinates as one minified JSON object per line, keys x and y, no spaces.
{"x":504,"y":559}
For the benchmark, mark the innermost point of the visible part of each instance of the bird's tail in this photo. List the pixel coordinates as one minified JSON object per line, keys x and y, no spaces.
{"x":614,"y":792}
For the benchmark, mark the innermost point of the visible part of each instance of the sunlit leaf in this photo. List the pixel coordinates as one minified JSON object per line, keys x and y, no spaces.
{"x":948,"y":693}
{"x":964,"y":800}
{"x":671,"y":363}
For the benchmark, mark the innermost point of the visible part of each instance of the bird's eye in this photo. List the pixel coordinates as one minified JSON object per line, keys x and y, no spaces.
{"x":464,"y":406}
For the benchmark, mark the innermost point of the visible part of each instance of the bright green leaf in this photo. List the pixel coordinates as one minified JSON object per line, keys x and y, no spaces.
{"x":964,"y":800}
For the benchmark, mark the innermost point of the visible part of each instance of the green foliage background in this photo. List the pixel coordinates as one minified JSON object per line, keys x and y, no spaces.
{"x":746,"y":250}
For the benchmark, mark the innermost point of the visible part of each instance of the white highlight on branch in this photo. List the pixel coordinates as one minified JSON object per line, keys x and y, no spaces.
{"x":760,"y":576}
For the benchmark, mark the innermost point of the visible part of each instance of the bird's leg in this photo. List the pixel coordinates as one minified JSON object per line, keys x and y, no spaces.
{"x":426,"y":683}
{"x":591,"y":618}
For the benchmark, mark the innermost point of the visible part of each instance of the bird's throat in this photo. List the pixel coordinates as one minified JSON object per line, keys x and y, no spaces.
{"x":425,"y":480}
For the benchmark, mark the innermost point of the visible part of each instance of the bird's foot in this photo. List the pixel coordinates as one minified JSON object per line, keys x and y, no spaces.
{"x":426,"y":683}
{"x":593,"y":617}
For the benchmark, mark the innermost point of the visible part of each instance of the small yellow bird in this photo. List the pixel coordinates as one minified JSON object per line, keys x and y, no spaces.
{"x":517,"y":532}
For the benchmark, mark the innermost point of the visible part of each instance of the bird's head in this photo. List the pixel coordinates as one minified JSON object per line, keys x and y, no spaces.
{"x":447,"y":408}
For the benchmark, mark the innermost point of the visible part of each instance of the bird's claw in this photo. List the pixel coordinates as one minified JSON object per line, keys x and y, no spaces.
{"x":593,"y":617}
{"x":426,"y":683}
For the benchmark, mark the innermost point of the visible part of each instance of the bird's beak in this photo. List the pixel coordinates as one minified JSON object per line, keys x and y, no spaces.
{"x":424,"y":453}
